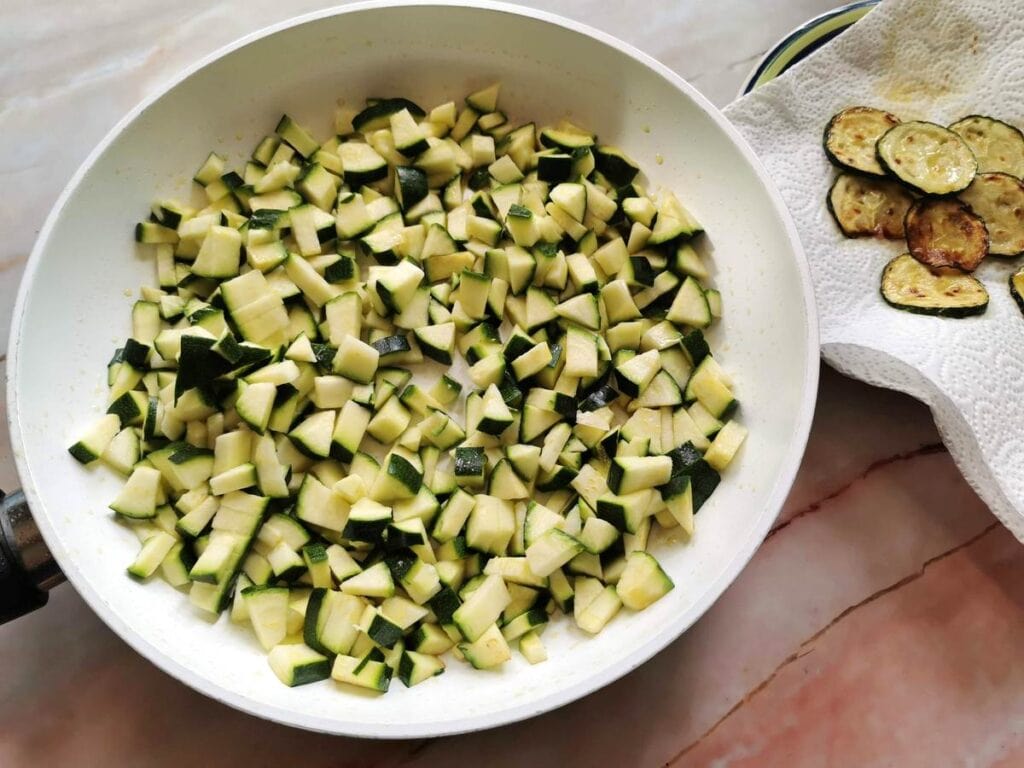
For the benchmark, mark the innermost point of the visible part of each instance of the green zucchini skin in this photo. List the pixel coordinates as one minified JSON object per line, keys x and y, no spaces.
{"x":375,"y":114}
{"x":1016,"y":277}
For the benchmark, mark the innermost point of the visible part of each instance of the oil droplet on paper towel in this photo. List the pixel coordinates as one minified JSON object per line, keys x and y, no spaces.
{"x":903,"y":82}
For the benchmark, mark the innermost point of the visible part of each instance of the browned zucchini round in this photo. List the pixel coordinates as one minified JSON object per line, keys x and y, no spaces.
{"x":910,"y":286}
{"x":943,"y":232}
{"x":868,"y":207}
{"x":998,"y":146}
{"x":850,"y":138}
{"x":1017,"y":288}
{"x":999,"y":199}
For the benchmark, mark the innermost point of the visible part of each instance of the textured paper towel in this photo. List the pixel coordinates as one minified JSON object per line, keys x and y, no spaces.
{"x":935,"y":60}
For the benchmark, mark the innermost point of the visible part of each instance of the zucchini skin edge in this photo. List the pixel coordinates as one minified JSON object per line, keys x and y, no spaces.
{"x":1016,"y":296}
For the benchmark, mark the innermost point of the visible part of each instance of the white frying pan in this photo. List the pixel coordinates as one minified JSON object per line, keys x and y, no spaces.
{"x":73,"y":309}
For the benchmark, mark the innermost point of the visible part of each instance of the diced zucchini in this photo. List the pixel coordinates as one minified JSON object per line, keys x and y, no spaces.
{"x":138,"y":498}
{"x":363,"y":673}
{"x":532,"y":648}
{"x":252,"y":378}
{"x":268,"y":613}
{"x":725,"y":445}
{"x":482,"y":608}
{"x":96,"y":440}
{"x":356,"y":360}
{"x":551,"y":550}
{"x":154,"y":550}
{"x":598,"y":611}
{"x":298,"y":664}
{"x":491,"y":524}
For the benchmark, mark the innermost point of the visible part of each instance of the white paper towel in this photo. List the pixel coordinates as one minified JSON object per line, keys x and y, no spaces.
{"x":935,"y":60}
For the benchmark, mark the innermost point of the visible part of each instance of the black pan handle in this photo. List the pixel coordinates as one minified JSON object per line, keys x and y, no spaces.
{"x":27,"y":569}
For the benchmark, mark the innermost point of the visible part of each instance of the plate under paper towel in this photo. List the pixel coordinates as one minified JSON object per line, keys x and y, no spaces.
{"x":936,"y":60}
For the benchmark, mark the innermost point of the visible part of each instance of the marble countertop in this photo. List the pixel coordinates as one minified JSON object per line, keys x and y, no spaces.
{"x":881,"y":622}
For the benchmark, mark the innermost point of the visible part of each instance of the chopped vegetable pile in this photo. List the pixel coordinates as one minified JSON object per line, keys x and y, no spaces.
{"x":420,"y":388}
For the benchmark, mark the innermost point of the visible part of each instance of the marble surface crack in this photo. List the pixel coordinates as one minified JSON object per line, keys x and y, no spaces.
{"x":805,"y":647}
{"x":730,"y":66}
{"x":814,"y":506}
{"x":746,"y":60}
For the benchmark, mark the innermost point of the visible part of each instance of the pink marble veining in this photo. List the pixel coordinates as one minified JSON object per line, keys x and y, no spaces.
{"x":847,"y":441}
{"x":925,"y":675}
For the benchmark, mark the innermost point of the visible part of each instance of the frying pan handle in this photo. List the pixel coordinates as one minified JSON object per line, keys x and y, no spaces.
{"x":27,"y":569}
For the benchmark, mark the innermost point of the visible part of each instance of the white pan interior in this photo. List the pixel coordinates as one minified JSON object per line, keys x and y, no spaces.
{"x":85,"y":272}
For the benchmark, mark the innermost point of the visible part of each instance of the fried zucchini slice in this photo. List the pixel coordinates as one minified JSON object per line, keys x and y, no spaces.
{"x":927,"y":157}
{"x":851,"y":135}
{"x":998,"y":146}
{"x":943,"y":232}
{"x":999,"y":199}
{"x":869,"y":207}
{"x":909,"y":285}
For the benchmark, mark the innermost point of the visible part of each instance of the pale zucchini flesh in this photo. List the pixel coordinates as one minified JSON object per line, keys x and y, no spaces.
{"x":998,"y":146}
{"x":851,"y":135}
{"x":869,"y":207}
{"x":927,"y":157}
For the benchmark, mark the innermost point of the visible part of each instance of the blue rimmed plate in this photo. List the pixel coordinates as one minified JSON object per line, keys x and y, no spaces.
{"x":805,"y":40}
